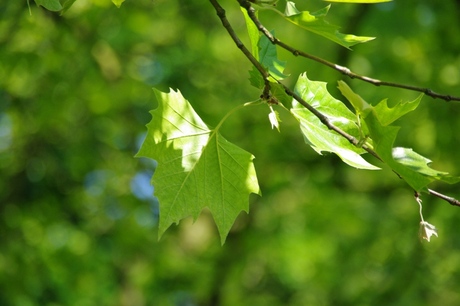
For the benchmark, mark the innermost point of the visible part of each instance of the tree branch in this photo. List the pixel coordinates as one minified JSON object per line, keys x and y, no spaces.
{"x":344,"y":70}
{"x":450,"y":200}
{"x":265,"y":74}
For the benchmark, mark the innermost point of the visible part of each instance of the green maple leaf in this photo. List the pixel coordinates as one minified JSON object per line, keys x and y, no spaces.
{"x":317,"y":134}
{"x":315,"y":22}
{"x":197,"y":167}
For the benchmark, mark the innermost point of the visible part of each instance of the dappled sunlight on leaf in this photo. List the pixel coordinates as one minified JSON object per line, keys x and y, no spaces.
{"x":317,"y":134}
{"x":197,"y":167}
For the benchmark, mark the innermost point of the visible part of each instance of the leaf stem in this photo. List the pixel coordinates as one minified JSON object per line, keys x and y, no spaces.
{"x":419,"y":201}
{"x":256,"y":102}
{"x":450,"y":200}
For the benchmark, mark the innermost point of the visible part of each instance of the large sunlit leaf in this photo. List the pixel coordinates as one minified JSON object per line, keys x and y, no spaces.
{"x":317,"y":134}
{"x":197,"y":167}
{"x":315,"y":22}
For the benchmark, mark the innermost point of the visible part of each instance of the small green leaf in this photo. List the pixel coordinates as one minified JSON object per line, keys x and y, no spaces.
{"x":385,"y":114}
{"x":118,"y":2}
{"x":359,"y":1}
{"x":314,"y":22}
{"x":280,"y":94}
{"x":317,"y":135}
{"x":254,"y":34}
{"x":66,"y":5}
{"x":51,"y":5}
{"x":255,"y":78}
{"x":197,"y":167}
{"x":419,"y":163}
{"x":269,"y":58}
{"x":388,"y":115}
{"x":291,"y":9}
{"x":358,"y":103}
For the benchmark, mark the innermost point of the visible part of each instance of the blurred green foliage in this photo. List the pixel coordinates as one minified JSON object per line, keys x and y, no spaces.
{"x":78,"y":221}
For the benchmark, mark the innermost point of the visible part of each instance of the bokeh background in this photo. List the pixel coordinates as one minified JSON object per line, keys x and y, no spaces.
{"x":78,"y":221}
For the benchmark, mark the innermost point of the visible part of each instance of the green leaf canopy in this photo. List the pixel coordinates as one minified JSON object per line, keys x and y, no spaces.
{"x":197,"y":167}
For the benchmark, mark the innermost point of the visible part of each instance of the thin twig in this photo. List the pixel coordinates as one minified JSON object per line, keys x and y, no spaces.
{"x":450,"y":200}
{"x":265,"y":75}
{"x":344,"y":70}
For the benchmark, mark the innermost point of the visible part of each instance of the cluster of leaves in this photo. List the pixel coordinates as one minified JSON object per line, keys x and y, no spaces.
{"x":198,"y":168}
